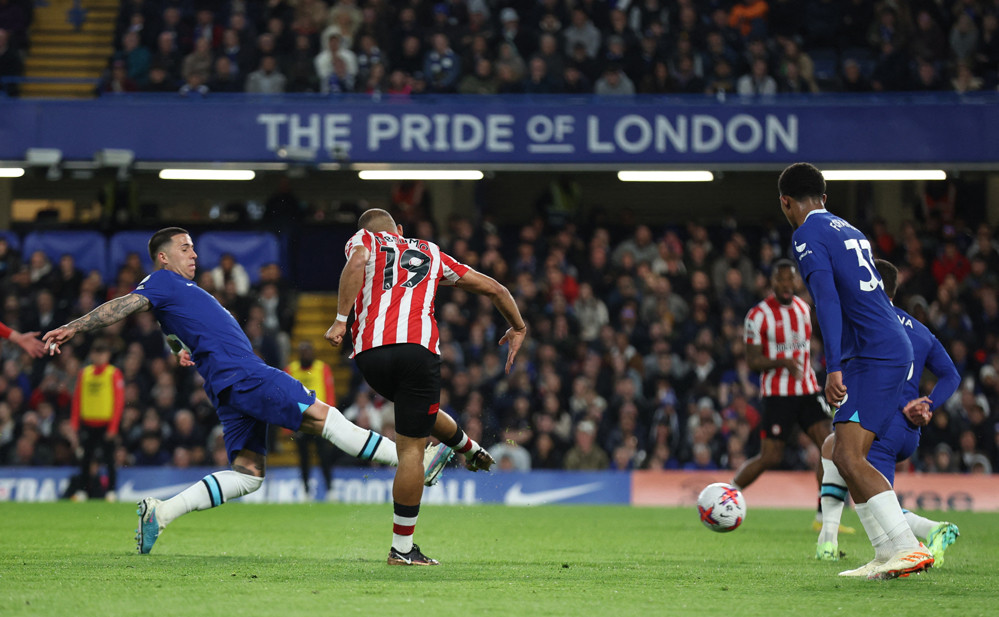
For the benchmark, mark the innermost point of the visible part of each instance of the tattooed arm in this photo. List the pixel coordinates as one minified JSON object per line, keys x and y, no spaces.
{"x":104,"y":315}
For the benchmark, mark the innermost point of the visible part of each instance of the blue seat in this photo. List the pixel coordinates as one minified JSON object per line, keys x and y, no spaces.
{"x":251,"y":249}
{"x":88,"y":248}
{"x":123,"y":243}
{"x":13,"y":239}
{"x":826,"y":61}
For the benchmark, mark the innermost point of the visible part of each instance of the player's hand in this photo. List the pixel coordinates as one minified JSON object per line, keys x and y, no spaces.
{"x":918,"y":411}
{"x":835,"y":390}
{"x":335,"y":334}
{"x":29,"y":342}
{"x":184,"y":358}
{"x":793,"y":366}
{"x":515,"y":338}
{"x":54,"y":338}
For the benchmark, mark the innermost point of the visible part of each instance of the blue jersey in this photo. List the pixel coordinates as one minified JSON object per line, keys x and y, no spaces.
{"x":856,"y":318}
{"x":902,"y":437}
{"x":194,"y":318}
{"x":927,"y":352}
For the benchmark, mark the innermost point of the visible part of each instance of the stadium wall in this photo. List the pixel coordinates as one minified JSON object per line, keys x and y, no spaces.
{"x":787,"y":489}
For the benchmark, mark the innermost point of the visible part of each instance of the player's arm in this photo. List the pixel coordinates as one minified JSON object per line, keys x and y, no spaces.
{"x":760,"y":363}
{"x":830,"y":317}
{"x":948,"y":379}
{"x":27,"y":341}
{"x":351,"y":281}
{"x":502,"y":299}
{"x":106,"y":314}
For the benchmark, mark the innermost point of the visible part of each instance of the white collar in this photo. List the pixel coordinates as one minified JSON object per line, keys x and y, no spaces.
{"x":814,"y":212}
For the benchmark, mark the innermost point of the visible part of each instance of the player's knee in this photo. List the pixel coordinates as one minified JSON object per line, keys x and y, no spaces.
{"x":828,"y":445}
{"x":247,"y":483}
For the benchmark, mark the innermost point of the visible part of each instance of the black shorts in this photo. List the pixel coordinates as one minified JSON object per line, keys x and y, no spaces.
{"x":409,"y":375}
{"x":781,"y":413}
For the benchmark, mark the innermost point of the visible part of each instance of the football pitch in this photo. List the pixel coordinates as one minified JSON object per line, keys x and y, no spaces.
{"x":67,"y":559}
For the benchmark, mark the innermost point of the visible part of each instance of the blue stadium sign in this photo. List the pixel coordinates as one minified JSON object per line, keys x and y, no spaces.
{"x":513,"y":130}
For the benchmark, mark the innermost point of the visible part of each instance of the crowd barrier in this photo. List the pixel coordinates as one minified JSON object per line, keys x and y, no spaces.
{"x":93,"y":251}
{"x":977,"y":493}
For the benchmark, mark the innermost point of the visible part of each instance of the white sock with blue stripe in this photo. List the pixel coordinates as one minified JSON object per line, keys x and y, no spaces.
{"x":211,"y":491}
{"x":356,"y":441}
{"x":832,"y":497}
{"x":921,"y":526}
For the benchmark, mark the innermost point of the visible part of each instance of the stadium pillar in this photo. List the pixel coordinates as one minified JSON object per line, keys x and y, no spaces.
{"x":992,"y":199}
{"x":451,"y":198}
{"x":6,"y":194}
{"x":888,"y":203}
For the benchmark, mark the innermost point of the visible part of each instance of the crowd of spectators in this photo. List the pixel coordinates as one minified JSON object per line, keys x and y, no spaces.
{"x":635,"y":357}
{"x":554,"y":46}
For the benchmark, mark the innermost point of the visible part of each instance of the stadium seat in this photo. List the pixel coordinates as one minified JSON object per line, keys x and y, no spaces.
{"x":863,"y":57}
{"x":252,"y":249}
{"x":13,"y":239}
{"x":826,"y":61}
{"x":125,"y":242}
{"x":88,"y":248}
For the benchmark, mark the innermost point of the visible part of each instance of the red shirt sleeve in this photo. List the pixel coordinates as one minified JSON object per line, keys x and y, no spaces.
{"x":328,"y":382}
{"x":118,"y":381}
{"x":4,"y":330}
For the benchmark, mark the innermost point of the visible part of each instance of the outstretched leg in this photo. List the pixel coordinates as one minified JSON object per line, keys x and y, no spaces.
{"x":213,"y":490}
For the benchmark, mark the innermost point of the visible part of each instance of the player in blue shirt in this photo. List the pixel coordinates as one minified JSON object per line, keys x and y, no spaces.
{"x":247,"y":394}
{"x":902,"y":437}
{"x":868,"y":359}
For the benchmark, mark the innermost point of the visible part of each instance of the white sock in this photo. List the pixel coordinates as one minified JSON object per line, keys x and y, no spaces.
{"x":833,"y":498}
{"x":213,"y":490}
{"x":879,"y":539}
{"x":356,"y":441}
{"x":403,"y":528}
{"x":886,"y":509}
{"x":920,"y":526}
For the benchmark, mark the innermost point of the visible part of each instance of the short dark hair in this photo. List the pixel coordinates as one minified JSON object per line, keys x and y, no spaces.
{"x":160,"y":238}
{"x":782,"y":263}
{"x":801,"y":180}
{"x":889,"y":276}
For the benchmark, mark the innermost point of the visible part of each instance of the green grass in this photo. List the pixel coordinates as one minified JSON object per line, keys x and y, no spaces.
{"x":77,"y":560}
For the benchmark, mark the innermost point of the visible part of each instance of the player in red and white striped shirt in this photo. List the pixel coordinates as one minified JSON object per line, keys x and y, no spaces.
{"x":391,"y":281}
{"x":778,"y":334}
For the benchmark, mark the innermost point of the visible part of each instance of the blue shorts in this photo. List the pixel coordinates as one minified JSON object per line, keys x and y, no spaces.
{"x":898,"y":444}
{"x":268,"y":396}
{"x":873,"y":392}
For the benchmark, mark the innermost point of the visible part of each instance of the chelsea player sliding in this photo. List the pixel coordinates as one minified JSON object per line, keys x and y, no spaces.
{"x":247,"y":394}
{"x":868,"y":359}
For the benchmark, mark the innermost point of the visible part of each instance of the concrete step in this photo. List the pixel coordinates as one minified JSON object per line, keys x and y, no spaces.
{"x":69,"y":37}
{"x":58,"y":91}
{"x":64,"y":63}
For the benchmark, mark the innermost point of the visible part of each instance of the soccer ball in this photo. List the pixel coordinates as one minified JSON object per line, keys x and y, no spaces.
{"x":721,"y":507}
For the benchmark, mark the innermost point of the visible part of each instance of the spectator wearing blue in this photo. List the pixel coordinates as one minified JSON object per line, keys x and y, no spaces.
{"x":441,"y":66}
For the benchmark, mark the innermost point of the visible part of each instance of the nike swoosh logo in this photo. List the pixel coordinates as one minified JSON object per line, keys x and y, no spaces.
{"x":800,"y":247}
{"x":517,"y":497}
{"x":190,"y":284}
{"x":127,"y":492}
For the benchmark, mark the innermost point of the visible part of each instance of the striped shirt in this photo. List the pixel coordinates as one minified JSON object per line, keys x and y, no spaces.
{"x":783,"y":332}
{"x":396,"y":303}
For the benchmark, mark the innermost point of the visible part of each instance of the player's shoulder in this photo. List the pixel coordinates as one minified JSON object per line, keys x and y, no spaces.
{"x":156,"y":277}
{"x":911,"y":323}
